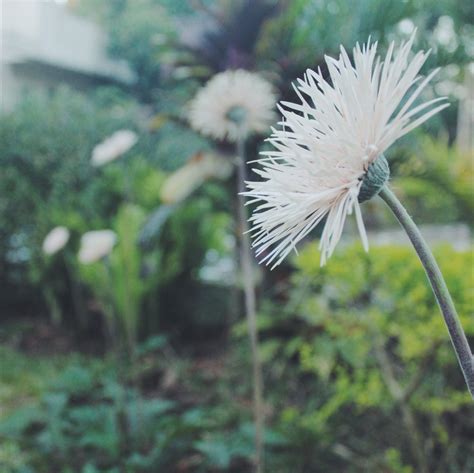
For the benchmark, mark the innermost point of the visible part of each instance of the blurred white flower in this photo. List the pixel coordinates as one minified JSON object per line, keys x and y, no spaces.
{"x":188,"y":178}
{"x":95,"y":245}
{"x":232,"y":104}
{"x":327,"y":142}
{"x":113,"y":147}
{"x":55,"y":240}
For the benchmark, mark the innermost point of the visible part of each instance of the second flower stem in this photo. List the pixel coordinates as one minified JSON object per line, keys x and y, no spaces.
{"x":246,"y":263}
{"x":456,"y":332}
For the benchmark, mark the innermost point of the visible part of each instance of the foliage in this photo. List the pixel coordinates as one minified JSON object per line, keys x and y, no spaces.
{"x":281,"y":38}
{"x":371,"y":380}
{"x":140,"y":35}
{"x":91,"y":417}
{"x":363,"y":380}
{"x":196,"y":228}
{"x":433,"y":167}
{"x":83,"y":418}
{"x":47,"y":179}
{"x":118,"y":280}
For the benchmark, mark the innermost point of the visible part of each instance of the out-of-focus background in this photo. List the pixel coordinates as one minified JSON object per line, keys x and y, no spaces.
{"x":134,"y":357}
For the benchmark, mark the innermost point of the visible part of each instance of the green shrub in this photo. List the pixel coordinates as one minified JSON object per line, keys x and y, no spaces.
{"x":436,"y":182}
{"x":90,"y":416}
{"x":360,"y":377}
{"x":371,"y":382}
{"x":117,"y":281}
{"x":47,"y":179}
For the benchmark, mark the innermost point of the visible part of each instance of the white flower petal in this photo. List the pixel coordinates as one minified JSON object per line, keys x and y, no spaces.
{"x":327,"y":141}
{"x":208,"y":112}
{"x":95,"y":245}
{"x":113,"y":147}
{"x":55,"y":240}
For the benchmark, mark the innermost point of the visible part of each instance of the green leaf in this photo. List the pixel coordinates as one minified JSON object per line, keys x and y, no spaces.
{"x":20,"y":420}
{"x":151,"y":231}
{"x":217,"y":452}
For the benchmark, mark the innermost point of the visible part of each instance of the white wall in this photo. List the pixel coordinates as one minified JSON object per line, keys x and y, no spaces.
{"x":45,"y":32}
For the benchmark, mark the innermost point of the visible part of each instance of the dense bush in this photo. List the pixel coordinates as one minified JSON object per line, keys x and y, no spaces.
{"x":431,"y":168}
{"x":369,"y":377}
{"x":360,"y":378}
{"x":48,"y":180}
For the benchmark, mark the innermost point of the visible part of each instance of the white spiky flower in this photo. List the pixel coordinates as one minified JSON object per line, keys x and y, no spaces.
{"x":113,"y":147}
{"x":55,"y":240}
{"x":327,"y":142}
{"x":232,"y":104}
{"x":95,"y":245}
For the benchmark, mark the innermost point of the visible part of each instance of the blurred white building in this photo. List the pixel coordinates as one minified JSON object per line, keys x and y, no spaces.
{"x":43,"y":44}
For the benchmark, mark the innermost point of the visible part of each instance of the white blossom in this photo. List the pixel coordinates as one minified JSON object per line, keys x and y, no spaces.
{"x":327,"y":141}
{"x":113,"y":147}
{"x":201,"y":167}
{"x":233,"y":104}
{"x":55,"y":240}
{"x":95,"y":245}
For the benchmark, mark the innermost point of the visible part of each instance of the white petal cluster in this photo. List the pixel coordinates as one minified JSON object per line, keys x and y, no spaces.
{"x":113,"y":147}
{"x":55,"y":240}
{"x":327,"y":141}
{"x":95,"y":245}
{"x":227,"y":91}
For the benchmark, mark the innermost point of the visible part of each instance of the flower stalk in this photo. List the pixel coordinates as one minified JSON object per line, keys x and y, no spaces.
{"x":250,"y":307}
{"x":443,"y":297}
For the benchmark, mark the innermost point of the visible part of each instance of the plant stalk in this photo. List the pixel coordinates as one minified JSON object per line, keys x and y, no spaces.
{"x":246,"y":261}
{"x":441,"y":292}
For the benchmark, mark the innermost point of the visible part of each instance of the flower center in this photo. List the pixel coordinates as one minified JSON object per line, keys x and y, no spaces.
{"x":237,"y":115}
{"x":374,"y":179}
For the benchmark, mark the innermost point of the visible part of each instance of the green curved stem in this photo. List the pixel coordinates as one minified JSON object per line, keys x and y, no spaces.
{"x":456,"y":332}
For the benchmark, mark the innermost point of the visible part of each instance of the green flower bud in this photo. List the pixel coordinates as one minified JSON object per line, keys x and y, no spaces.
{"x":374,"y":179}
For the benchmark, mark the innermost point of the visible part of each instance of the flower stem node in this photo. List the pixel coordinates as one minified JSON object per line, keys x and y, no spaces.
{"x":374,"y":179}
